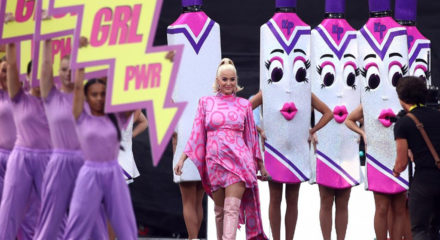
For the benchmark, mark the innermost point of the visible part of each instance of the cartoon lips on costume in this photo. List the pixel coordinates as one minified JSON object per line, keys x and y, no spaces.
{"x":385,"y":117}
{"x":340,"y":113}
{"x":289,"y":111}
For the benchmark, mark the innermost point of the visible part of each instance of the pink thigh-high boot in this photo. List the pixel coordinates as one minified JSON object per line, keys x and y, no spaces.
{"x":231,"y":211}
{"x":219,"y":221}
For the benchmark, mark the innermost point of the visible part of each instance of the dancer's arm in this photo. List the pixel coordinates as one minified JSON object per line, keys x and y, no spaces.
{"x":12,"y":76}
{"x":46,"y":83}
{"x":78,"y":94}
{"x":402,"y":156}
{"x":179,"y":165}
{"x":327,"y":114}
{"x":356,"y":116}
{"x":257,"y":100}
{"x":142,"y":122}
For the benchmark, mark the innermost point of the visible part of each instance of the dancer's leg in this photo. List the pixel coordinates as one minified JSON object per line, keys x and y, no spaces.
{"x":191,"y":210}
{"x":398,"y":202}
{"x":84,"y":207}
{"x":58,"y":183}
{"x":118,"y":205}
{"x":382,"y":202}
{"x":342,"y":196}
{"x":276,"y":195}
{"x":292,"y":192}
{"x":327,"y":196}
{"x":16,"y":191}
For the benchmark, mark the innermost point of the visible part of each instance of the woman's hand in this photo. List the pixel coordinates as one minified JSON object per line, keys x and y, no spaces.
{"x":364,"y":136}
{"x":9,"y":17}
{"x":179,"y":166}
{"x":313,"y":139}
{"x":262,"y":133}
{"x":265,"y":176}
{"x":83,"y":42}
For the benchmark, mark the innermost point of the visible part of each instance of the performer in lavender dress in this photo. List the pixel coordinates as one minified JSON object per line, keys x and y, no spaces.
{"x":27,"y":162}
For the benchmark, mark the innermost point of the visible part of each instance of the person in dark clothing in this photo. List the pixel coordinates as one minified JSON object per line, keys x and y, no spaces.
{"x":424,"y":197}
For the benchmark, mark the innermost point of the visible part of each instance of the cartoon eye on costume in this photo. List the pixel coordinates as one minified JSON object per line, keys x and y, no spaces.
{"x":300,"y":66}
{"x":350,"y":73}
{"x":275,"y":66}
{"x":421,"y":70}
{"x":327,"y":72}
{"x":396,"y":71}
{"x":371,"y":75}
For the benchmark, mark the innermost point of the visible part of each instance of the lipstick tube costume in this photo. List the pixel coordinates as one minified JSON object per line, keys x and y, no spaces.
{"x":335,"y":81}
{"x":202,"y":52}
{"x":383,"y":59}
{"x":284,"y":70}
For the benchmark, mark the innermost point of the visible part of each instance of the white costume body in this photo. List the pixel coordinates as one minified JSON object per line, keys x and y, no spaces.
{"x":335,"y":81}
{"x":200,"y":36}
{"x":125,"y":157}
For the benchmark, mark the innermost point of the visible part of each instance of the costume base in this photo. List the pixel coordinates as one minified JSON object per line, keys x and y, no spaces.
{"x":24,"y":175}
{"x":100,"y":183}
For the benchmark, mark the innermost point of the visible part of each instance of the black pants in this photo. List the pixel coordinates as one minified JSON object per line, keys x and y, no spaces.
{"x":424,"y":206}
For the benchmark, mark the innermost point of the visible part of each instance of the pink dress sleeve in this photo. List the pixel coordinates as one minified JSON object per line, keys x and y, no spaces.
{"x":251,"y":136}
{"x":196,"y":146}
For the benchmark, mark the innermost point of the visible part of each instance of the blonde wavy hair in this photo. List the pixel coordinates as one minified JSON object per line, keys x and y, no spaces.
{"x":226,"y":64}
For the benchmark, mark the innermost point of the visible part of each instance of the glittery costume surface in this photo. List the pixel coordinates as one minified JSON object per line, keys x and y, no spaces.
{"x":224,"y":147}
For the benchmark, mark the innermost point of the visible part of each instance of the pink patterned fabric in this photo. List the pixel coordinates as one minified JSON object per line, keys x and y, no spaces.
{"x":224,"y":147}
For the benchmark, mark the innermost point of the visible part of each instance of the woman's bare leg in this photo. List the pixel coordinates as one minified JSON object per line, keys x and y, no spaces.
{"x":327,"y":196}
{"x":342,"y":196}
{"x":199,"y":204}
{"x":398,"y":203}
{"x":292,"y":192}
{"x":190,"y":201}
{"x":276,"y":194}
{"x":407,"y":226}
{"x":382,"y":202}
{"x":390,"y":220}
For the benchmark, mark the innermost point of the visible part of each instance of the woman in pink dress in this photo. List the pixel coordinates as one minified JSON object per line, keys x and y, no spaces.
{"x":224,"y":147}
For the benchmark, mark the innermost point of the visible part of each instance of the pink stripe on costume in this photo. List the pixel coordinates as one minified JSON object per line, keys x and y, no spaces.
{"x":379,"y":182}
{"x":195,"y":21}
{"x":328,"y":177}
{"x":278,"y":171}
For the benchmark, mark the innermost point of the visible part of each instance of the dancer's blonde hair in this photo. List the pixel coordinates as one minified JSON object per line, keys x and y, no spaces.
{"x":226,"y":64}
